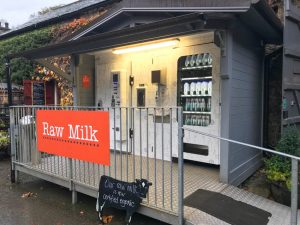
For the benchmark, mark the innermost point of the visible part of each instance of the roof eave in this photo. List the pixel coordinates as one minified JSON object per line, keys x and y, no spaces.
{"x":263,"y":21}
{"x":114,"y":38}
{"x":258,"y":11}
{"x":53,"y":21}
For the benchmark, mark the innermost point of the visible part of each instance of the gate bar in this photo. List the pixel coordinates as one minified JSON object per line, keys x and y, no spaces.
{"x":294,"y":192}
{"x":180,"y":168}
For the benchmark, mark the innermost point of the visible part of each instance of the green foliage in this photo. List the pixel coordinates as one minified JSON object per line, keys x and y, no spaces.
{"x":2,"y":123}
{"x":278,"y":168}
{"x":290,"y":141}
{"x":4,"y":140}
{"x":22,"y":68}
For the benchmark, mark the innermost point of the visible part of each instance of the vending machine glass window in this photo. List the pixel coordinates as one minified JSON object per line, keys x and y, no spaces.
{"x":195,"y":88}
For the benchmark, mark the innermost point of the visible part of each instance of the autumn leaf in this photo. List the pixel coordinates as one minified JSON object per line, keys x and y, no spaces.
{"x":107,"y":219}
{"x":27,"y":195}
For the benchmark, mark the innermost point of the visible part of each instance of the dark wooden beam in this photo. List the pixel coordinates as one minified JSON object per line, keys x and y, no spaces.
{"x":55,"y":69}
{"x":291,"y":120}
{"x":297,"y":100}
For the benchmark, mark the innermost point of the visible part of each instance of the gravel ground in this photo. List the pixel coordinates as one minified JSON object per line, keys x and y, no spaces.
{"x":50,"y":204}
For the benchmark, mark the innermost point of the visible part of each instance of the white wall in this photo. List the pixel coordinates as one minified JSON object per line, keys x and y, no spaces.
{"x":140,"y":66}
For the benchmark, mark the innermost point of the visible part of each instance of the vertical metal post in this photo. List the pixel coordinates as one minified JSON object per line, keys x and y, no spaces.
{"x":12,"y":143}
{"x":127,"y":143}
{"x":180,"y":168}
{"x":8,"y":80}
{"x":171,"y":158}
{"x":147,"y":144}
{"x":121,"y":143}
{"x":74,"y":197}
{"x":115,"y":144}
{"x":141,"y":147}
{"x":162,"y":157}
{"x":155,"y":163}
{"x":287,"y":5}
{"x":10,"y":103}
{"x":133,"y":141}
{"x":294,"y":192}
{"x":71,"y":177}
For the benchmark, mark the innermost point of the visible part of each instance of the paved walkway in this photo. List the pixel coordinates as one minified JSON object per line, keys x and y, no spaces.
{"x":208,"y":178}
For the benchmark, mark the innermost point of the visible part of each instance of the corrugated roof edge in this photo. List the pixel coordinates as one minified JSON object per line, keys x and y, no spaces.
{"x":55,"y":19}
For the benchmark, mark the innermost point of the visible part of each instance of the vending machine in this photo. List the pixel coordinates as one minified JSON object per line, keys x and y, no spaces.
{"x":195,"y":96}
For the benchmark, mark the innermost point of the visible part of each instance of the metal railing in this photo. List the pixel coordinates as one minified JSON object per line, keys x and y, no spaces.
{"x":294,"y":169}
{"x":143,"y":142}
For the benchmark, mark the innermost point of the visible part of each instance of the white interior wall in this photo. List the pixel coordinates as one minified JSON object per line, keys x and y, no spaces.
{"x":140,"y":66}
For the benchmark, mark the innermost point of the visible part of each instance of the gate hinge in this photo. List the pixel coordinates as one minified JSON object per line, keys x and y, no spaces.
{"x":131,"y":81}
{"x":130,"y":133}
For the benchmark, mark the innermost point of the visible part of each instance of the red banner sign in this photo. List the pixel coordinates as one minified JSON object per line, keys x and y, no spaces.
{"x":80,"y":135}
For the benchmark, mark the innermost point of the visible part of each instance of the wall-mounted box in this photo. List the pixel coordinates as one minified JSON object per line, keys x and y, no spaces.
{"x":159,"y":77}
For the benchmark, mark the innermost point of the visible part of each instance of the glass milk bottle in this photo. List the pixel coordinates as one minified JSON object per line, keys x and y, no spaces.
{"x":198,"y":88}
{"x":192,"y":105}
{"x":207,"y":121}
{"x":209,"y":60}
{"x":186,"y":88}
{"x":193,"y":88}
{"x":209,"y":105}
{"x":202,"y":105}
{"x":209,"y":88}
{"x":187,"y":105}
{"x":194,"y":121}
{"x":205,"y":88}
{"x":187,"y":120}
{"x":197,"y":105}
{"x":205,"y":59}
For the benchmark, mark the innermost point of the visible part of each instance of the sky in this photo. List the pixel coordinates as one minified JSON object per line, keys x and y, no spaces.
{"x":17,"y":12}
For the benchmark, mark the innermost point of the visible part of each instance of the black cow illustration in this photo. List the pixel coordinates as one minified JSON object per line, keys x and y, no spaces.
{"x":121,"y":195}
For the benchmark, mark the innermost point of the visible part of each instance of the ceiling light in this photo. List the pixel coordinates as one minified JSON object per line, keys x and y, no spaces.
{"x":145,"y":47}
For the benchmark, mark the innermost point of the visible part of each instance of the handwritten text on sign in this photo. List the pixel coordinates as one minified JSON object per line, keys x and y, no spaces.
{"x":80,"y":135}
{"x":121,"y":195}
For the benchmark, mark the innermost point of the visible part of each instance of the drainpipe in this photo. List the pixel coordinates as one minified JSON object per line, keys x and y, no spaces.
{"x":10,"y":103}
